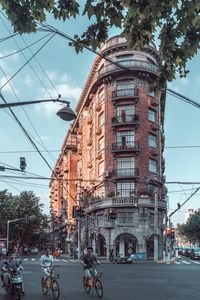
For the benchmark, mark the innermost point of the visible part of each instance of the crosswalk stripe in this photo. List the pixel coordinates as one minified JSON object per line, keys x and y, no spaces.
{"x":186,"y":262}
{"x":71,"y":260}
{"x":196,"y":262}
{"x":177,"y":262}
{"x":64,"y":260}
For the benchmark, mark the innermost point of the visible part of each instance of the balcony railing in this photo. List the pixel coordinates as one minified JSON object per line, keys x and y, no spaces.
{"x":129,"y":119}
{"x":128,"y":172}
{"x":132,"y":65}
{"x":129,"y":92}
{"x":120,"y":146}
{"x":125,"y":200}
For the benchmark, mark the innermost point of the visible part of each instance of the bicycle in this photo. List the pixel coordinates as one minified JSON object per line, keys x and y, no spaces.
{"x":96,"y":283}
{"x":51,"y":282}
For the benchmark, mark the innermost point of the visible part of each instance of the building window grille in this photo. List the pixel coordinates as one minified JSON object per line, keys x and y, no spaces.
{"x":125,"y":113}
{"x":151,"y":115}
{"x":125,"y":84}
{"x":101,"y":144}
{"x":101,"y":119}
{"x":125,"y":60}
{"x":125,"y":138}
{"x":152,"y":141}
{"x":125,"y":189}
{"x":125,"y":166}
{"x":101,"y":95}
{"x":125,"y":218}
{"x":101,"y":168}
{"x":100,"y":220}
{"x":153,"y":165}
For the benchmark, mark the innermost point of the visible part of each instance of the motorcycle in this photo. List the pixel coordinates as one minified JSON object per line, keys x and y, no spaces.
{"x":14,"y":285}
{"x":123,"y":260}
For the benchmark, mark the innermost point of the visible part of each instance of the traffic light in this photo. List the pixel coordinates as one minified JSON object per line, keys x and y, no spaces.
{"x":170,"y":232}
{"x":78,"y":212}
{"x":112,"y":213}
{"x":22,"y":163}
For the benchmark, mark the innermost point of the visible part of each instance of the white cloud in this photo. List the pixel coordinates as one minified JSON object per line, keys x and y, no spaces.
{"x":67,"y":91}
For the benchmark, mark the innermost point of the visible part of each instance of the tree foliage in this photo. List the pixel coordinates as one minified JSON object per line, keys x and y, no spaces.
{"x":191,"y":230}
{"x":22,"y":206}
{"x":176,"y":22}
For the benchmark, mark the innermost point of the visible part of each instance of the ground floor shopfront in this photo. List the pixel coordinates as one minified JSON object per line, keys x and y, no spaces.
{"x":123,"y":240}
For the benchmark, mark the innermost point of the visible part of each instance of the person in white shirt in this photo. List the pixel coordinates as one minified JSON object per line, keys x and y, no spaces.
{"x":46,"y":262}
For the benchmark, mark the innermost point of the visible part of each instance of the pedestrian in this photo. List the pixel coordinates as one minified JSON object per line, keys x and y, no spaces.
{"x":111,"y":252}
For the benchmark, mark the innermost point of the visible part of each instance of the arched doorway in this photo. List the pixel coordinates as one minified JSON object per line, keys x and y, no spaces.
{"x":124,"y":242}
{"x":101,"y":245}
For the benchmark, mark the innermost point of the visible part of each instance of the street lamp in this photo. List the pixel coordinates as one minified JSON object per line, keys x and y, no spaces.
{"x":8,"y":227}
{"x":65,"y":113}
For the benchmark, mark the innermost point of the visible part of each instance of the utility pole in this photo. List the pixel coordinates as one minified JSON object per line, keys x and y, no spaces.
{"x":156,"y":225}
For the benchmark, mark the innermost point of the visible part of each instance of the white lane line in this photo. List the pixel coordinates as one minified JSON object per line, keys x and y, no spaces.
{"x":186,"y":262}
{"x":196,"y":262}
{"x":177,"y":262}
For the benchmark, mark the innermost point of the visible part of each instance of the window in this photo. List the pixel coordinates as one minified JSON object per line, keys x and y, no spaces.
{"x":90,"y":132}
{"x":101,"y":168}
{"x":90,"y":154}
{"x":125,"y":84}
{"x":151,"y":115}
{"x":101,"y":144}
{"x":125,"y":166}
{"x":125,"y":60}
{"x":153,"y":141}
{"x":100,"y":220}
{"x":101,"y":119}
{"x":153,"y":166}
{"x":151,"y":219}
{"x":151,"y":189}
{"x":101,"y":95}
{"x":125,"y":138}
{"x":125,"y":189}
{"x":125,"y":113}
{"x":152,"y":93}
{"x":125,"y":218}
{"x":101,"y":191}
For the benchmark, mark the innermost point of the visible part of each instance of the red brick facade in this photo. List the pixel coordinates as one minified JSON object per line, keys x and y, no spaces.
{"x":117,"y":160}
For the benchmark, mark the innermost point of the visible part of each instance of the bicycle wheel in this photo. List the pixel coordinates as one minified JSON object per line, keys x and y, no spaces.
{"x":99,"y":288}
{"x":55,"y":290}
{"x":85,"y":285}
{"x":44,"y":288}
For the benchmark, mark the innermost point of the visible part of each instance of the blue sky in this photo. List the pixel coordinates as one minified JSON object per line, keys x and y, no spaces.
{"x":67,"y":72}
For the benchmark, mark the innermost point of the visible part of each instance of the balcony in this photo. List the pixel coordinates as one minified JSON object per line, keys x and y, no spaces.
{"x":125,"y":93}
{"x":134,"y":65}
{"x":125,"y":201}
{"x":124,"y":147}
{"x":125,"y":120}
{"x":126,"y":173}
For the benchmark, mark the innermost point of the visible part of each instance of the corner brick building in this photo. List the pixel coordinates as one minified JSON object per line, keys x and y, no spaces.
{"x":112,"y":157}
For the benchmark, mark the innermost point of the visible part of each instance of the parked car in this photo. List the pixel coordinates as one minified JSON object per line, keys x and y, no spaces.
{"x":195,"y":254}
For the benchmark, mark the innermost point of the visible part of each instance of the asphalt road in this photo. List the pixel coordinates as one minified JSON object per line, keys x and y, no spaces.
{"x":138,"y":281}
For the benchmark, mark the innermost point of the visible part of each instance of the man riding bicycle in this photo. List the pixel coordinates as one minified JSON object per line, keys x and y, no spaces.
{"x":88,"y":261}
{"x":47,"y":262}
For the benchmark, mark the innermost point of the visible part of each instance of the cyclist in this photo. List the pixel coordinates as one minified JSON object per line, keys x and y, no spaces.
{"x":46,"y":262}
{"x":88,"y":261}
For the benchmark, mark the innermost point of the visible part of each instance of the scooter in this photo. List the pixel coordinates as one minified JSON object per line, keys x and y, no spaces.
{"x":15,"y":283}
{"x":123,"y":260}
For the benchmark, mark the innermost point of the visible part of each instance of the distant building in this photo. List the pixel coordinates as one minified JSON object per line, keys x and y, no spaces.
{"x":189,"y":214}
{"x":112,"y":157}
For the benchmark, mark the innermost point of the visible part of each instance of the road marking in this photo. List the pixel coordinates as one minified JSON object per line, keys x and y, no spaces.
{"x":177,"y":262}
{"x":196,"y":262}
{"x":186,"y":262}
{"x":33,"y":259}
{"x":25,"y":259}
{"x":71,"y":260}
{"x":64,"y":260}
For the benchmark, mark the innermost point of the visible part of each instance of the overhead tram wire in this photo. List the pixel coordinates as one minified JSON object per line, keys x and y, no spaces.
{"x":49,"y":28}
{"x":8,"y":37}
{"x":28,"y":46}
{"x":42,"y":84}
{"x":12,"y":186}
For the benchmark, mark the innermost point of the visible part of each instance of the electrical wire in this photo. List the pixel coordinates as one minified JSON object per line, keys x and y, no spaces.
{"x":8,"y":37}
{"x":12,"y":186}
